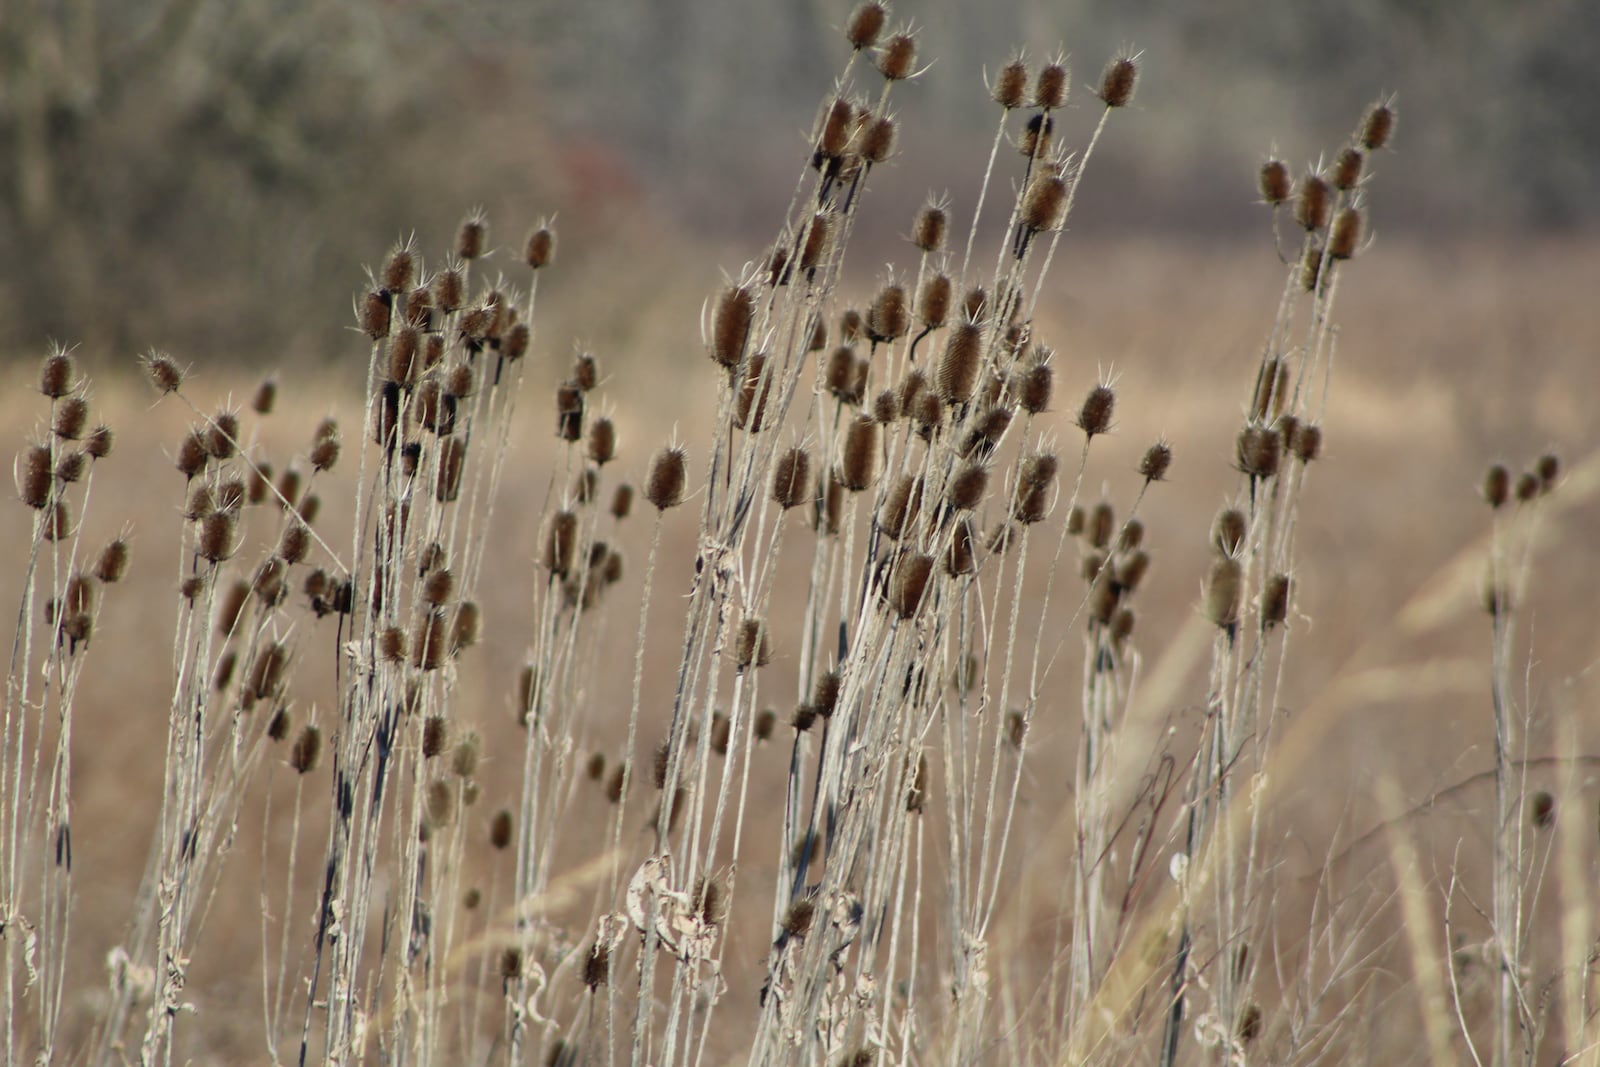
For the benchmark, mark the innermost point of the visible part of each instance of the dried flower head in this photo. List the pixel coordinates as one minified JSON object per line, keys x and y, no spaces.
{"x":540,"y":248}
{"x":791,"y":478}
{"x":668,"y":475}
{"x":897,"y":57}
{"x":1050,"y":86}
{"x":163,"y":372}
{"x":866,"y":23}
{"x":1010,"y":85}
{"x":1119,"y":80}
{"x":859,"y":457}
{"x":1378,"y":127}
{"x":1094,"y":417}
{"x":58,"y":375}
{"x":1276,"y":185}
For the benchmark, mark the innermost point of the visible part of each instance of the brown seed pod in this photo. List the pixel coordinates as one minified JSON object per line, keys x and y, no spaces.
{"x":219,"y":536}
{"x":866,"y":23}
{"x":325,"y":446}
{"x":58,"y":374}
{"x":440,"y":585}
{"x":750,"y":403}
{"x":825,"y":693}
{"x":1036,"y":136}
{"x":1276,"y":185}
{"x":1272,"y":381}
{"x":112,"y":563}
{"x":909,"y":583}
{"x":1542,"y":810}
{"x":71,"y":417}
{"x":829,"y":503}
{"x":1346,"y":234}
{"x":1131,"y":536}
{"x":514,"y":345}
{"x":859,"y":457}
{"x":99,"y":443}
{"x":35,"y":478}
{"x":561,"y":543}
{"x":280,"y":724}
{"x":933,"y":304}
{"x":471,"y":237}
{"x":373,"y":313}
{"x":1130,"y":568}
{"x":429,"y":642}
{"x":960,"y":556}
{"x":834,"y":129}
{"x":1306,"y":442}
{"x":752,"y":648}
{"x":435,"y":736}
{"x":449,"y":289}
{"x":621,"y":501}
{"x":1527,"y":487}
{"x":465,"y":627}
{"x":1076,"y":520}
{"x":957,"y":374}
{"x":818,"y":241}
{"x":1275,"y":600}
{"x":539,"y":250}
{"x":192,"y":455}
{"x":163,"y":372}
{"x":1259,"y":451}
{"x":1030,"y":503}
{"x":309,"y":506}
{"x":885,"y":407}
{"x":460,"y":381}
{"x":602,"y":440}
{"x":877,"y":139}
{"x":1094,"y":417}
{"x":231,"y":607}
{"x":888,"y":318}
{"x":1314,"y":202}
{"x":735,"y":314}
{"x":1222,"y":592}
{"x":294,"y":542}
{"x":1228,"y":531}
{"x":307,"y":750}
{"x":1548,"y":470}
{"x":569,"y":412}
{"x":1377,"y":127}
{"x":1348,"y":167}
{"x":1105,"y":594}
{"x":928,"y":230}
{"x":897,"y":57}
{"x":200,"y":503}
{"x":419,"y":308}
{"x":399,"y":269}
{"x":668,"y":474}
{"x":791,"y":478}
{"x":1051,"y":85}
{"x":766,"y":722}
{"x":1003,"y":537}
{"x":1100,"y":525}
{"x":1035,"y":383}
{"x":967,"y":485}
{"x":803,"y":717}
{"x":1044,"y":205}
{"x":465,"y":756}
{"x":797,"y":920}
{"x":909,"y":392}
{"x":839,"y":374}
{"x":1010,"y":85}
{"x":452,"y":460}
{"x":1118,"y":82}
{"x":586,"y":484}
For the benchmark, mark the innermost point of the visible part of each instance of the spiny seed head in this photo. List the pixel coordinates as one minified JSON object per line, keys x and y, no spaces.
{"x":866,"y":23}
{"x":1228,"y":531}
{"x":1223,"y":587}
{"x":602,"y":440}
{"x":373,"y":312}
{"x":435,"y":736}
{"x":1035,"y":383}
{"x":877,"y":140}
{"x":569,"y":412}
{"x":465,"y":756}
{"x":828,"y":503}
{"x":192,"y":455}
{"x":231,"y":606}
{"x":928,"y":231}
{"x":957,"y":374}
{"x":1272,"y":388}
{"x":307,"y":750}
{"x":460,"y":381}
{"x":399,"y":269}
{"x":281,"y":723}
{"x":933,"y":302}
{"x":471,"y":236}
{"x":1314,"y":202}
{"x":668,"y":474}
{"x":595,"y":769}
{"x":1275,"y":182}
{"x":200,"y":503}
{"x":886,"y":407}
{"x":766,"y":722}
{"x":560,"y":543}
{"x":294,"y":542}
{"x":1306,"y":442}
{"x":967,"y":486}
{"x":909,"y":583}
{"x":35,"y":477}
{"x":901,"y":506}
{"x":1311,"y":268}
{"x":660,"y":763}
{"x":511,"y":964}
{"x":1075,"y":520}
{"x":452,"y":460}
{"x":621,"y":501}
{"x":1260,"y":451}
{"x":1131,"y":537}
{"x":1050,"y":87}
{"x":1094,"y":417}
{"x":1347,"y":168}
{"x":113,"y":561}
{"x":1377,"y":127}
{"x":1102,"y":522}
{"x":858,"y":459}
{"x":1044,"y":205}
{"x":721,"y":733}
{"x":730,"y":332}
{"x":803,"y":717}
{"x":540,"y":248}
{"x":888,"y":318}
{"x":439,"y":586}
{"x":825,"y":693}
{"x":514,"y":345}
{"x":1275,"y":600}
{"x":1548,"y":470}
{"x":585,"y":371}
{"x":839,"y":372}
{"x":99,"y":442}
{"x":834,"y":129}
{"x":818,"y":240}
{"x":466,"y":626}
{"x":1527,"y":487}
{"x":1118,"y":82}
{"x":429,"y":642}
{"x":753,"y":649}
{"x":419,"y":308}
{"x":1155,"y":461}
{"x":405,"y":355}
{"x":58,"y":375}
{"x":797,"y":920}
{"x":219,"y":536}
{"x":755,"y":386}
{"x":1346,"y":234}
{"x":163,"y":372}
{"x":1010,"y":85}
{"x":961,"y":555}
{"x":791,"y":478}
{"x":325,"y":446}
{"x":897,"y":56}
{"x":1130,"y":568}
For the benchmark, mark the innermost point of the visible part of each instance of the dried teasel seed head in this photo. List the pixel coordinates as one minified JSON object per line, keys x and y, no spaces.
{"x":1272,"y":388}
{"x":325,"y":445}
{"x":956,"y":376}
{"x":1010,"y":85}
{"x":803,"y":717}
{"x":859,"y":457}
{"x":192,"y":455}
{"x":200,"y":503}
{"x":766,"y":722}
{"x":877,"y":140}
{"x":933,"y":302}
{"x":452,"y":460}
{"x":1228,"y":531}
{"x":471,"y":236}
{"x":602,"y":440}
{"x":460,"y":381}
{"x":1094,"y":417}
{"x":500,"y":830}
{"x":419,"y":308}
{"x":280,"y":724}
{"x":834,"y":129}
{"x":1377,"y":127}
{"x":753,"y":649}
{"x":309,"y":506}
{"x":755,"y":386}
{"x":1306,"y":442}
{"x":439,"y":586}
{"x":1223,"y":587}
{"x":622,"y":501}
{"x":797,"y":920}
{"x":1314,"y":202}
{"x":735,"y":313}
{"x":465,"y":627}
{"x":99,"y":442}
{"x":1276,"y":185}
{"x":1346,"y":234}
{"x":466,"y":754}
{"x":112,"y":563}
{"x":58,"y":374}
{"x":511,"y":964}
{"x":399,"y":269}
{"x":294,"y":542}
{"x":219,"y":536}
{"x":1034,"y":384}
{"x":1275,"y":600}
{"x":928,"y":231}
{"x":449,"y":289}
{"x":886,"y":406}
{"x":909,"y":583}
{"x":960,"y":555}
{"x":373,"y":313}
{"x":1004,"y":537}
{"x":866,"y":23}
{"x":540,"y":248}
{"x":1527,"y":487}
{"x":901,"y":506}
{"x":721,"y":733}
{"x":585,"y":371}
{"x":514,"y":345}
{"x":897,"y":57}
{"x":828,"y":503}
{"x":818,"y":241}
{"x":71,"y":416}
{"x":1076,"y":518}
{"x":435,"y":736}
{"x":1259,"y":451}
{"x":429,"y":642}
{"x":595,"y":769}
{"x":35,"y":478}
{"x":1100,"y":525}
{"x":888,"y":318}
{"x":1119,"y":80}
{"x":791,"y":478}
{"x":307,"y":750}
{"x":839,"y":373}
{"x":1130,"y":568}
{"x":1348,"y":167}
{"x":1050,"y":86}
{"x":569,"y":412}
{"x":1547,"y":468}
{"x":163,"y":372}
{"x":561,"y":543}
{"x":1131,"y":536}
{"x":1044,"y":205}
{"x":825,"y":693}
{"x":668,"y":474}
{"x":967,"y":485}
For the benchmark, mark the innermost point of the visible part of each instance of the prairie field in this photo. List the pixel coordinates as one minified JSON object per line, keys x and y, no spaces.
{"x":455,"y":763}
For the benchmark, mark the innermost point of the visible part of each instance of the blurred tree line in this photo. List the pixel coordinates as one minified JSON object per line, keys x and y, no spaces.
{"x":205,"y":173}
